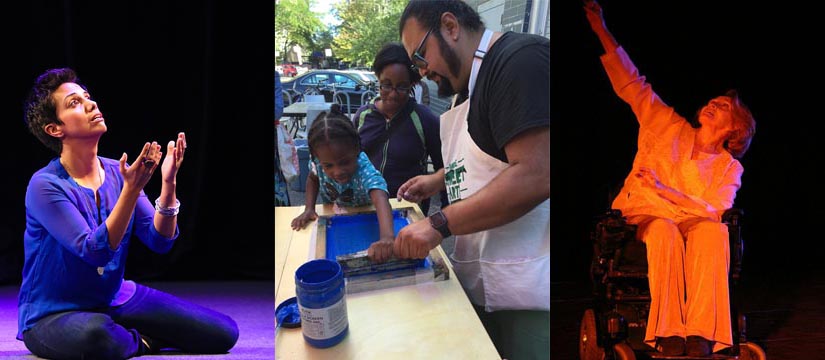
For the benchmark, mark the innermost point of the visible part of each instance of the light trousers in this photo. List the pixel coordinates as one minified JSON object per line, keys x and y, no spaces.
{"x":688,"y":266}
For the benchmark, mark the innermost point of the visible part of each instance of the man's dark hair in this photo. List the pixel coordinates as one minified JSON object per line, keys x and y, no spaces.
{"x":41,"y":109}
{"x":428,"y":13}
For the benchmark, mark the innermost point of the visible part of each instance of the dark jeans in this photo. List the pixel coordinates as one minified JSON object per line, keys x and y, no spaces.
{"x":114,"y":333}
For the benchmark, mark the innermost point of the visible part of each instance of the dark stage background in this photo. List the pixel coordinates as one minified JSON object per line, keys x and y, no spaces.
{"x":156,"y":68}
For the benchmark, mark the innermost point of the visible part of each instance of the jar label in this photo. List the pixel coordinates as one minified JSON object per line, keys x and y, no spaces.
{"x":324,"y":323}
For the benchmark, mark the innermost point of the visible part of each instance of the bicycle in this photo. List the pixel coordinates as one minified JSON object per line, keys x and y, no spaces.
{"x":314,"y":89}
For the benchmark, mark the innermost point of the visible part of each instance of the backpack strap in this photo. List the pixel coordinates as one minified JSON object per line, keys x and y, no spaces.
{"x":362,"y":117}
{"x":364,"y":114}
{"x":418,"y":128}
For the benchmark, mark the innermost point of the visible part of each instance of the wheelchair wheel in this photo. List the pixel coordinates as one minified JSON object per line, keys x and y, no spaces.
{"x":589,"y":348}
{"x":624,"y":351}
{"x":751,"y":351}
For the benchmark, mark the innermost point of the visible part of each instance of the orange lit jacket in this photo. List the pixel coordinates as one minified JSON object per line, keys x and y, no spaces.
{"x":665,"y":145}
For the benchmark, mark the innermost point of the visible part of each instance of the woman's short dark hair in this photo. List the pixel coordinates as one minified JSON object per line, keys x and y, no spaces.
{"x":41,"y":109}
{"x":394,"y":53}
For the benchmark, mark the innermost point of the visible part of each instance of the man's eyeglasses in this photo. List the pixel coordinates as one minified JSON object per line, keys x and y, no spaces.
{"x":399,"y":89}
{"x":417,"y":57}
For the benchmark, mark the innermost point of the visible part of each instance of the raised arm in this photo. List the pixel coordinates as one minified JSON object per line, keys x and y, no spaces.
{"x":625,"y":78}
{"x":166,"y":218}
{"x":596,"y":19}
{"x":135,"y":178}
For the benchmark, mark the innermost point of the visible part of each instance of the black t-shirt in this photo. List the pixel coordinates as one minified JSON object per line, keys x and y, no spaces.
{"x":512,"y":92}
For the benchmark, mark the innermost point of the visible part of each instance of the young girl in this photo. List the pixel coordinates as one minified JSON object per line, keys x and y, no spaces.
{"x":343,"y":175}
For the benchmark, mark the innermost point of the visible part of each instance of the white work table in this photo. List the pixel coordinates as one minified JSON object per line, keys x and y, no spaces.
{"x":431,"y":320}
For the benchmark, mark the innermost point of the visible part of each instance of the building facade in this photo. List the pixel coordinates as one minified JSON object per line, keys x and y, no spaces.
{"x":524,"y":16}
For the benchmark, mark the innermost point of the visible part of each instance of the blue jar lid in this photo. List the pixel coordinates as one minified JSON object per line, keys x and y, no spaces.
{"x":288,"y":314}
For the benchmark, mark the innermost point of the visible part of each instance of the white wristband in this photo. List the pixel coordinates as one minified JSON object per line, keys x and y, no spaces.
{"x":170,"y":211}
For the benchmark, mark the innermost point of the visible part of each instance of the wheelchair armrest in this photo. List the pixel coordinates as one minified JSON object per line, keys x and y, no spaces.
{"x":732,"y":216}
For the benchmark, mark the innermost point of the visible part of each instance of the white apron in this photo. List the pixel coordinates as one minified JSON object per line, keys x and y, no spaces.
{"x":503,"y":268}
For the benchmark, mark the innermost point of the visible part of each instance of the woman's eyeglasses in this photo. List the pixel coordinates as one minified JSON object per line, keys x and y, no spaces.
{"x":399,"y":89}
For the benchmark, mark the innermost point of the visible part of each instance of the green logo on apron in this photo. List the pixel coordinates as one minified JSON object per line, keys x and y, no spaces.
{"x":453,"y":177}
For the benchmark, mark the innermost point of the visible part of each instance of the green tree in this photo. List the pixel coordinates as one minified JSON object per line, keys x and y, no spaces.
{"x":366,"y":25}
{"x":295,"y":23}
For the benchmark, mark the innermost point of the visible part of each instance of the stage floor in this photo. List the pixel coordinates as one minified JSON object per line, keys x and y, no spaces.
{"x":250,"y":303}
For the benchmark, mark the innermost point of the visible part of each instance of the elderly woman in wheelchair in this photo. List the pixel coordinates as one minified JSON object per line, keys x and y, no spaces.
{"x":685,"y":176}
{"x":616,"y":327}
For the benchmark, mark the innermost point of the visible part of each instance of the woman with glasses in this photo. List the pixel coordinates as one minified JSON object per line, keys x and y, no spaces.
{"x":685,"y":175}
{"x":397,"y":133}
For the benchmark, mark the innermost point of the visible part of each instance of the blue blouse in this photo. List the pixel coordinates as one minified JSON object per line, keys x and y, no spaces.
{"x":68,"y":263}
{"x":355,"y":192}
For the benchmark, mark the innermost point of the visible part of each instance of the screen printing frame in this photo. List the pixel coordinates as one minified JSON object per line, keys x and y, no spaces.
{"x":436,"y":270}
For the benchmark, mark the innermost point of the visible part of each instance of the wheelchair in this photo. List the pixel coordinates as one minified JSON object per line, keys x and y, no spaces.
{"x":614,"y":327}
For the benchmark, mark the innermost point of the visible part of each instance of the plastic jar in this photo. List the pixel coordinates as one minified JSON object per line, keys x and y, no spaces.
{"x":319,"y":286}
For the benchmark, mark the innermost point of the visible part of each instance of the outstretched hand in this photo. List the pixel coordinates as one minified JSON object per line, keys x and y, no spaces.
{"x":419,"y":188}
{"x":594,"y":13}
{"x":174,"y":158}
{"x":595,"y":17}
{"x":138,"y":174}
{"x":301,"y":221}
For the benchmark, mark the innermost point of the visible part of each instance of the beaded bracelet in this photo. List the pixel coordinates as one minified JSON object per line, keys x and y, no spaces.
{"x":170,"y":211}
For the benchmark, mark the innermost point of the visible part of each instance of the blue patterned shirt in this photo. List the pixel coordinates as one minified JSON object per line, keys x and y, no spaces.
{"x":356,"y":192}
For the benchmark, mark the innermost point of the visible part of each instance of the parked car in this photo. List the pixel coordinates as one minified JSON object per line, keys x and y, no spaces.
{"x":328,"y":82}
{"x":367,"y":76}
{"x":289,"y":70}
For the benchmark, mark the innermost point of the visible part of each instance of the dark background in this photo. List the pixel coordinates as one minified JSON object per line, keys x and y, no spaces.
{"x":157,"y":68}
{"x":692,"y":51}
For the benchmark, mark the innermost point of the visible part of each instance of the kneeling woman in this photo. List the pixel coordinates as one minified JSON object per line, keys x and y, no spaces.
{"x":81,"y":211}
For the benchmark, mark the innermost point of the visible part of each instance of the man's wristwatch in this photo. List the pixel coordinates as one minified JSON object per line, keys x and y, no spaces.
{"x":439,"y":222}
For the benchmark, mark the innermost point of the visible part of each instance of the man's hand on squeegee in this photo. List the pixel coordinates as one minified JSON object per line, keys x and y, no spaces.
{"x":416,"y":240}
